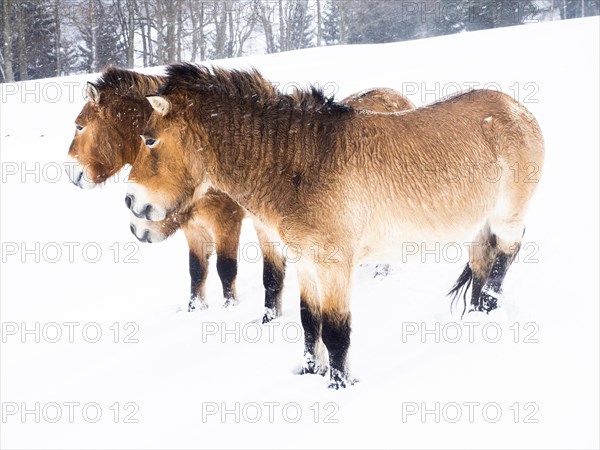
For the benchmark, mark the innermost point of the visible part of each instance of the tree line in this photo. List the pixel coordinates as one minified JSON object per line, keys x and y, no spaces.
{"x":46,"y":38}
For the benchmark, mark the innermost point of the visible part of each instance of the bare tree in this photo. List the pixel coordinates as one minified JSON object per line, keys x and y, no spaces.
{"x":2,"y":74}
{"x":171,"y":17}
{"x":94,"y":35}
{"x":319,"y":24}
{"x":57,"y":37}
{"x":21,"y":46}
{"x":125,"y":17}
{"x":131,"y":33}
{"x":180,"y":33}
{"x":265,"y":16}
{"x":343,"y":24}
{"x":160,"y":53}
{"x":282,"y":34}
{"x":7,"y":49}
{"x":146,"y":27}
{"x":220,"y":24}
{"x":197,"y":20}
{"x":242,"y":23}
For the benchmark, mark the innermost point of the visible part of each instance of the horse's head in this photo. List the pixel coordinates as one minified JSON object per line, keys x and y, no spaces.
{"x":168,"y":173}
{"x":107,"y":127}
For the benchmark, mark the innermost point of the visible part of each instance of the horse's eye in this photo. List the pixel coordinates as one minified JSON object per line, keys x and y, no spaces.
{"x":150,"y":142}
{"x":78,"y":127}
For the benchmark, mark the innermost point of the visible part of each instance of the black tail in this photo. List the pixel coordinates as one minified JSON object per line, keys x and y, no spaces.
{"x":461,"y":287}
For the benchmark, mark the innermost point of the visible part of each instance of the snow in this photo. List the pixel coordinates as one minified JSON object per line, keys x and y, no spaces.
{"x":71,"y":268}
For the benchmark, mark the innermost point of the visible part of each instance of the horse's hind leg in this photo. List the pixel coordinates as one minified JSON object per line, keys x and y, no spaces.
{"x":491,"y":290}
{"x":481,"y":258}
{"x":506,"y":239}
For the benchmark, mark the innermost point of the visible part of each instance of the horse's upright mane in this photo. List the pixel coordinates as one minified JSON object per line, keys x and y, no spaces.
{"x":127,"y":82}
{"x":241,"y":85}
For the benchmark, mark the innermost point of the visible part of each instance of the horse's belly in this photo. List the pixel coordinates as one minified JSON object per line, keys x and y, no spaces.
{"x":410,"y":244}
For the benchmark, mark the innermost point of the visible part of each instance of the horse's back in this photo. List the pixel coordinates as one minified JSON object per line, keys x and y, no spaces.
{"x":439,"y":171}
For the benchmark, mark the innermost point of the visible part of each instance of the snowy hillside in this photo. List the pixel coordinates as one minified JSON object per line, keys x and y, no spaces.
{"x":163,"y":378}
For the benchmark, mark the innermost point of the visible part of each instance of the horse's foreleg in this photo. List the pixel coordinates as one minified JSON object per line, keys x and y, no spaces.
{"x":337,"y":325}
{"x":315,"y":360}
{"x":198,"y":273}
{"x":273,"y":274}
{"x":201,"y":247}
{"x":227,"y":270}
{"x":336,"y":336}
{"x":227,"y":241}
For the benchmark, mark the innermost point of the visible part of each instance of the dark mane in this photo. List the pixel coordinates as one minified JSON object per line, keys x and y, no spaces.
{"x":127,"y":82}
{"x":245,"y":86}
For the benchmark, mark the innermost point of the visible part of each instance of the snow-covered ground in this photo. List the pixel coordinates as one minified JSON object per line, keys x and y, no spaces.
{"x":163,"y":378}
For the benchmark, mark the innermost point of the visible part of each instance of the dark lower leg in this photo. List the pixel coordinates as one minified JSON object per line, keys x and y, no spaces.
{"x":273,"y":275}
{"x":336,"y":336}
{"x":476,"y":292}
{"x":310,"y":316}
{"x":227,"y":270}
{"x":488,"y":299}
{"x":198,"y":272}
{"x":482,"y":260}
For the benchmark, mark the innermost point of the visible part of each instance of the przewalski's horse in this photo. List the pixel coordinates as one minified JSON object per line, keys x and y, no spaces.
{"x":342,"y":185}
{"x":107,"y":138}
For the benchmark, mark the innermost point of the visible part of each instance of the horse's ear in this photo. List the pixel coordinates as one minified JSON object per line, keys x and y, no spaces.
{"x":92,"y":93}
{"x":160,"y":104}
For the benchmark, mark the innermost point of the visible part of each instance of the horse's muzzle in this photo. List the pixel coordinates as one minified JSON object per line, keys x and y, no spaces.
{"x":144,"y":213}
{"x":145,"y":237}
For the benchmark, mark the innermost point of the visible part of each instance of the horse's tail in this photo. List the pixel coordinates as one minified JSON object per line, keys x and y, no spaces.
{"x":461,"y":287}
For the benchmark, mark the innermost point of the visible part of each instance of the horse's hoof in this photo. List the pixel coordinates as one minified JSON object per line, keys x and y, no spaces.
{"x":313,"y":369}
{"x":230,"y":302}
{"x":267,"y":318}
{"x":489,"y":300}
{"x":197,"y":303}
{"x":340,"y":380}
{"x":311,"y":366}
{"x":270,"y":314}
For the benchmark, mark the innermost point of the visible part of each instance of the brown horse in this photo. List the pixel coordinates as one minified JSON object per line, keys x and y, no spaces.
{"x":340,"y":185}
{"x":106,"y":140}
